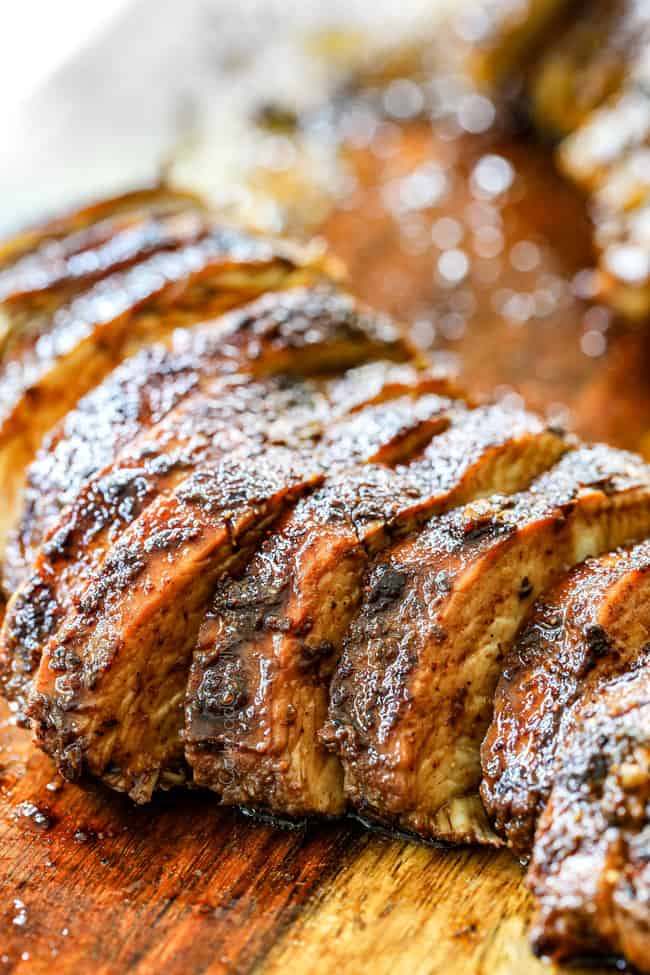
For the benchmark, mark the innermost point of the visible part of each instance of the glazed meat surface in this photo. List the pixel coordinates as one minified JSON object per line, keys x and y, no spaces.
{"x":50,"y":359}
{"x":592,"y":624}
{"x":127,"y":632}
{"x":258,"y":690}
{"x":301,"y":332}
{"x":307,"y":328}
{"x":590,"y":870}
{"x":412,"y":696}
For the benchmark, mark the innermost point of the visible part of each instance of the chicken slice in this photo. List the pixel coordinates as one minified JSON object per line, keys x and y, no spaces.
{"x":126,"y":635}
{"x":68,"y":234}
{"x":302,"y":328}
{"x":412,"y":696}
{"x":590,"y":870}
{"x":51,"y":362}
{"x":302,"y":332}
{"x":258,"y":689}
{"x":590,"y":624}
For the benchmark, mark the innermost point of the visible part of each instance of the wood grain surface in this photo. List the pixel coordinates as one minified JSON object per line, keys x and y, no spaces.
{"x":92,"y":884}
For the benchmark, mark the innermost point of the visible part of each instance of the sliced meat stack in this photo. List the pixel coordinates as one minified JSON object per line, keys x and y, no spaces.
{"x":81,"y":300}
{"x":277,"y":556}
{"x":566,"y":762}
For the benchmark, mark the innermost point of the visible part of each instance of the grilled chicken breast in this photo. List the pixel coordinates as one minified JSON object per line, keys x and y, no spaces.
{"x":121,"y":633}
{"x":276,"y":556}
{"x":309,"y":329}
{"x":258,"y":691}
{"x":412,"y":696}
{"x":51,"y":359}
{"x":592,"y":623}
{"x":568,"y":754}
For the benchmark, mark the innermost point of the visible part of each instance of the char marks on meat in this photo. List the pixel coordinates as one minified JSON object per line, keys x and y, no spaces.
{"x":259,"y":685}
{"x":412,"y":697}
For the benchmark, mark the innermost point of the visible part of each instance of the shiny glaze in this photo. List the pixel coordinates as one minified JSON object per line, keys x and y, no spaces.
{"x":306,"y":328}
{"x":565,"y":645}
{"x":589,"y":871}
{"x":412,"y":696}
{"x":276,"y":634}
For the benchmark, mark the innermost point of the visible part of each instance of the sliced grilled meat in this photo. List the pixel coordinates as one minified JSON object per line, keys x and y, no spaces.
{"x":118,"y":637}
{"x":301,"y":332}
{"x":50,"y":361}
{"x":79,"y":229}
{"x":412,"y":697}
{"x":258,"y":690}
{"x":302,"y":327}
{"x":590,"y":625}
{"x":590,"y":870}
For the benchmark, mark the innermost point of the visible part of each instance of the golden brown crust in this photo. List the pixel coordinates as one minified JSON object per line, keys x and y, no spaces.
{"x":290,"y":612}
{"x":52,"y":359}
{"x":412,"y":696}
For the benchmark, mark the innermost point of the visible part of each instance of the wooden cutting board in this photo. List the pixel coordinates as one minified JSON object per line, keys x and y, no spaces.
{"x":92,"y":884}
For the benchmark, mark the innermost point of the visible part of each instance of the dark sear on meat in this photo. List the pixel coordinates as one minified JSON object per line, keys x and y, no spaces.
{"x":57,"y":343}
{"x":259,"y":686}
{"x":222,"y":411}
{"x":568,"y":754}
{"x":278,"y":556}
{"x":412,"y":697}
{"x":301,"y":332}
{"x":119,"y":653}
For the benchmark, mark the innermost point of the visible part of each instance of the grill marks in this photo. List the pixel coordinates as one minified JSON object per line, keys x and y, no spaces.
{"x":259,"y":686}
{"x":412,"y":697}
{"x":568,"y":755}
{"x":591,"y":624}
{"x":221,"y":413}
{"x":301,"y":331}
{"x":80,"y":302}
{"x":124,"y":577}
{"x":152,"y":592}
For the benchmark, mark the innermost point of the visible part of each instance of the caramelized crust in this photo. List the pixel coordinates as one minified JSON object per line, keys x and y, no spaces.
{"x":51,"y":360}
{"x":590,"y":870}
{"x":157,"y":200}
{"x":108,"y":696}
{"x":258,"y":690}
{"x":306,"y":329}
{"x":591,"y":624}
{"x":412,"y":696}
{"x":300,"y":332}
{"x":151,"y":604}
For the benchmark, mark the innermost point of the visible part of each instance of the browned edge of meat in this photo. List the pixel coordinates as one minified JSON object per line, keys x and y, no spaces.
{"x":590,"y":871}
{"x":107,"y":698}
{"x":591,"y":623}
{"x":302,"y":330}
{"x":378,"y":431}
{"x":43,"y":376}
{"x":258,"y":691}
{"x":160,"y":198}
{"x":412,"y":697}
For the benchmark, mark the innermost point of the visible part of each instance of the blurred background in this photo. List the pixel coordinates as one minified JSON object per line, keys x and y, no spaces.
{"x":95,"y":97}
{"x":482,"y":175}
